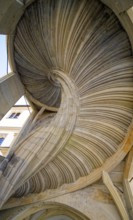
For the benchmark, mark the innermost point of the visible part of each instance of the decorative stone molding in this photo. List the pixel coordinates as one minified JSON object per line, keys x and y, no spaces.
{"x":107,"y":181}
{"x":74,"y":58}
{"x":127,"y":177}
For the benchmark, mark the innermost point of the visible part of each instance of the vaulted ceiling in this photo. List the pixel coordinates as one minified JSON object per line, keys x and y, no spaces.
{"x":75,"y":60}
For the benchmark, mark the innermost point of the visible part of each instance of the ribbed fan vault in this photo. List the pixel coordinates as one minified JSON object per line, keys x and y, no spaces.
{"x":75,"y":56}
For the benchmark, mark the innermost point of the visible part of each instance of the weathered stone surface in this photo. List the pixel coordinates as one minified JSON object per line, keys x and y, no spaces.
{"x":75,"y":60}
{"x":11,"y":90}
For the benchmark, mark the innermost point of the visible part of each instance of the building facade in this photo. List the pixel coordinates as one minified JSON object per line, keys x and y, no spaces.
{"x":73,"y":159}
{"x":11,"y":124}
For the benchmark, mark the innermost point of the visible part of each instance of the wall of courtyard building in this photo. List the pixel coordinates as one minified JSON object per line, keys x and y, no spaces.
{"x":11,"y":124}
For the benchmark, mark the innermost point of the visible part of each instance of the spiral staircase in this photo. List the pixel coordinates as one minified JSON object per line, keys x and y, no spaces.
{"x":75,"y":62}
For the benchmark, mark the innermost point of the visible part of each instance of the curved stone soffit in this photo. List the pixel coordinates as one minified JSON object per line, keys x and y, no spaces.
{"x":80,"y":49}
{"x":43,"y":211}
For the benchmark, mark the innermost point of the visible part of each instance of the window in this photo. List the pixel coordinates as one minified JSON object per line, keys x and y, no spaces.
{"x":4,"y":65}
{"x":1,"y":140}
{"x":14,"y":115}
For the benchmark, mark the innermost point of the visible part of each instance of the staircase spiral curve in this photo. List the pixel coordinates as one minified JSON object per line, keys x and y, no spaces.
{"x":75,"y":58}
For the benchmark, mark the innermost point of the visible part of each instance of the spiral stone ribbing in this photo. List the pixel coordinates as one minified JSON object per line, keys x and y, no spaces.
{"x":75,"y":56}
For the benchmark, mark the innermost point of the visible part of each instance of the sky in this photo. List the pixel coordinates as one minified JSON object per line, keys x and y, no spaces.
{"x":3,"y":64}
{"x":3,"y":56}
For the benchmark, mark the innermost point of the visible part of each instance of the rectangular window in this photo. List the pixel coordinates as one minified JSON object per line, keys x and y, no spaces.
{"x":17,"y":115}
{"x":14,"y":115}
